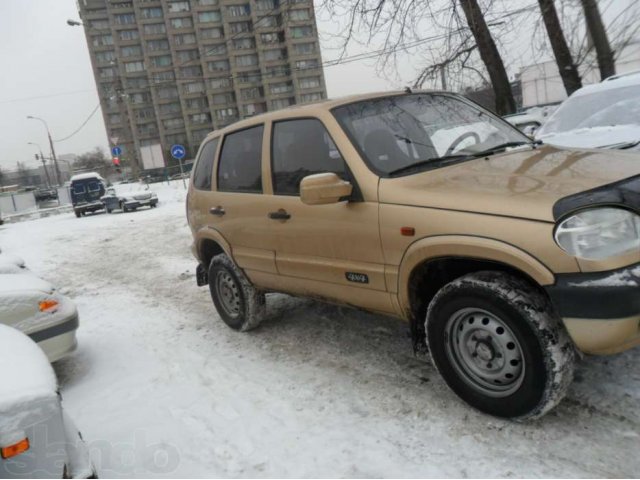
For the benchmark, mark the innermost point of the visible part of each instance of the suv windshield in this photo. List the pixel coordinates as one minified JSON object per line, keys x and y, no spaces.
{"x":619,"y":106}
{"x":395,"y":133}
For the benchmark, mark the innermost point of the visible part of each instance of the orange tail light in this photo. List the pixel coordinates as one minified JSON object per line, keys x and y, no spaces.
{"x":46,"y":305}
{"x":15,"y":449}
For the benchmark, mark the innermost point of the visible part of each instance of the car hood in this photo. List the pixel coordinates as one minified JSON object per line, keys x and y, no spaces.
{"x":524,"y":183}
{"x":615,"y":136}
{"x":10,"y":284}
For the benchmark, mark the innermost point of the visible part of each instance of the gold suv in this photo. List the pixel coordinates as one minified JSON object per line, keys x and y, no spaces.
{"x":505,"y":256}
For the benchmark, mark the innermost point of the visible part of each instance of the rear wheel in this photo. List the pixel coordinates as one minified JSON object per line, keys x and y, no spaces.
{"x":78,"y":214}
{"x":240,"y":305}
{"x":499,"y":345}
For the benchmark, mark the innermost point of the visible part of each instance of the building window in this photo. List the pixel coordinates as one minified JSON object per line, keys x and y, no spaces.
{"x":165,"y":76}
{"x":272,"y":37}
{"x":300,"y":32}
{"x":218,"y":66}
{"x":167,"y":92}
{"x":183,"y":22}
{"x":239,"y":10}
{"x":244,"y":43}
{"x":160,"y":61}
{"x":218,"y":83}
{"x":310,"y":97}
{"x":131,"y":51}
{"x":280,"y":88}
{"x":168,"y":108}
{"x":124,"y":19}
{"x":304,"y":48}
{"x":144,"y":114}
{"x":207,"y":2}
{"x":222,"y":98}
{"x":239,"y":27}
{"x":307,"y":64}
{"x":309,"y":82}
{"x":185,"y":39}
{"x":106,"y":72}
{"x":102,"y":40}
{"x":199,"y":103}
{"x":186,"y":55}
{"x":220,"y":49}
{"x":154,"y":28}
{"x":99,"y":24}
{"x":143,"y":97}
{"x":103,"y":57}
{"x":302,"y":14}
{"x":282,"y":103}
{"x":263,"y":5}
{"x":175,"y":139}
{"x":193,"y":87}
{"x":157,"y":45}
{"x":246,"y":60}
{"x":276,"y":54}
{"x":175,"y":7}
{"x":191,"y":72}
{"x":199,"y":135}
{"x":151,"y":12}
{"x":215,"y":32}
{"x":199,"y":118}
{"x":212,"y":16}
{"x":130,"y":67}
{"x":279,"y":71}
{"x":226,"y":113}
{"x":250,"y":77}
{"x":114,"y":118}
{"x":173,"y":123}
{"x":253,"y":109}
{"x":137,"y":82}
{"x":126,"y":35}
{"x":268,"y":21}
{"x":147,"y":129}
{"x":251,"y":93}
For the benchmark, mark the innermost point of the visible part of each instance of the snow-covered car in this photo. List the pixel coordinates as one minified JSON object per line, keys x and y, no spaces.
{"x":33,"y":306}
{"x":128,"y":197}
{"x":604,"y":115}
{"x":37,"y":437}
{"x":10,"y":263}
{"x":531,"y":119}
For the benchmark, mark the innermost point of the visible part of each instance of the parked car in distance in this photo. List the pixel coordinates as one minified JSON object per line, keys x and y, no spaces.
{"x":37,"y":437}
{"x":604,"y":115}
{"x":531,"y":119}
{"x":44,"y":194}
{"x":503,"y":255}
{"x":129,"y":197}
{"x":33,"y":306}
{"x":86,"y":190}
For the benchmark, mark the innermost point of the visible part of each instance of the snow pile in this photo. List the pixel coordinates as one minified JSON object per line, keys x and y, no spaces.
{"x":628,"y":278}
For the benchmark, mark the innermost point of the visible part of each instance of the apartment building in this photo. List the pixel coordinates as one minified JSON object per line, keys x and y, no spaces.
{"x":170,"y":71}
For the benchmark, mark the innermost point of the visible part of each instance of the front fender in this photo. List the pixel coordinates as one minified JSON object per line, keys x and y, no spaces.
{"x":463,"y":246}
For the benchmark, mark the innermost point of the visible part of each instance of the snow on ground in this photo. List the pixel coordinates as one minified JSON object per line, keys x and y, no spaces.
{"x":159,"y":386}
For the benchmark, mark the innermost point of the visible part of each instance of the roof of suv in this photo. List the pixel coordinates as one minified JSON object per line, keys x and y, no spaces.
{"x":309,"y":108}
{"x":629,"y":79}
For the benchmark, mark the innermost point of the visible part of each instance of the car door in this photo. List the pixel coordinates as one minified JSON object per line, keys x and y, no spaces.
{"x":332,"y":251}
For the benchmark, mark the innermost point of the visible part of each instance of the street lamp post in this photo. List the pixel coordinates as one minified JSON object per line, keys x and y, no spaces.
{"x":53,"y":151}
{"x":44,"y":165}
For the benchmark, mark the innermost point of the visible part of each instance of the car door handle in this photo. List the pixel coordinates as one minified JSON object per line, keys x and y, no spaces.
{"x":279,"y":215}
{"x":218,"y":211}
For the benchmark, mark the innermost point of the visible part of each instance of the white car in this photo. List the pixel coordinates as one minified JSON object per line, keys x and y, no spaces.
{"x":37,"y":437}
{"x":129,"y":196}
{"x":604,"y":115}
{"x":33,"y":306}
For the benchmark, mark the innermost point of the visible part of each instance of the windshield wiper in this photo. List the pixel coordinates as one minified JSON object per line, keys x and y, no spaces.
{"x":502,"y":147}
{"x":422,"y":163}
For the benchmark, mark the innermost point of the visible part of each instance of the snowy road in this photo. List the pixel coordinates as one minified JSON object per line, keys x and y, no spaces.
{"x":160,"y":386}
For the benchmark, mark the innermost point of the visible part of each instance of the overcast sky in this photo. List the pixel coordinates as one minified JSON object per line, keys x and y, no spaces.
{"x":47,"y":73}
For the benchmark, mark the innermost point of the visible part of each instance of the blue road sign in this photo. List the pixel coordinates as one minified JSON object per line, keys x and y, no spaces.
{"x":116,"y":151}
{"x":178,"y":152}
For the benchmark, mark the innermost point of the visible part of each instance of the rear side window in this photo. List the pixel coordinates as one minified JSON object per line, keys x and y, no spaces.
{"x":300,"y":148}
{"x":240,"y":166}
{"x":203,"y":170}
{"x":78,"y":188}
{"x":94,"y":186}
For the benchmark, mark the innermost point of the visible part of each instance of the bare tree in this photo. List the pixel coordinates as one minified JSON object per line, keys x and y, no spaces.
{"x":598,"y":36}
{"x":566,"y":66}
{"x":94,"y":161}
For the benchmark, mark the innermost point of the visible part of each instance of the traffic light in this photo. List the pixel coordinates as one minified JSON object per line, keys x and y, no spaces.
{"x":116,"y":161}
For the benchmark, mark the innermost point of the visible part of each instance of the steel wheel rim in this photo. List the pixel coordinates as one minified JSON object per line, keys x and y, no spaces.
{"x":228,"y":293}
{"x":484,"y":352}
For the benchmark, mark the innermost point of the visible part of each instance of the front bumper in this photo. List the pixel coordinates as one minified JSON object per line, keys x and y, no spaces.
{"x":600,"y":310}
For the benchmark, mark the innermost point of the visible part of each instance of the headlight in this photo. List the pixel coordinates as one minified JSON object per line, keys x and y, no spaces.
{"x":599,"y":233}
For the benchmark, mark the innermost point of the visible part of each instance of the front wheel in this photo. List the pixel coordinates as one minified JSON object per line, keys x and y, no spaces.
{"x":240,"y":305}
{"x":499,"y":345}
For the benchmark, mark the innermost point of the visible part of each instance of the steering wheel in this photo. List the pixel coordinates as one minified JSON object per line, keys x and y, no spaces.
{"x":461,"y":139}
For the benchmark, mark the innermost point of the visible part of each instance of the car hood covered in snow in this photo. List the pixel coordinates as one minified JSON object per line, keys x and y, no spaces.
{"x":524,"y":183}
{"x":614,"y":136}
{"x":16,"y":284}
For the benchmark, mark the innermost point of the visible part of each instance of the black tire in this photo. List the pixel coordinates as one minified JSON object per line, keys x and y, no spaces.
{"x":109,"y":210}
{"x":499,"y":345}
{"x":240,"y":305}
{"x":78,"y":214}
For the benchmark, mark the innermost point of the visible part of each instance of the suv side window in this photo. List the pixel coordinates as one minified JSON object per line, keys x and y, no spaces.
{"x":240,"y":166}
{"x":204,"y":168}
{"x":300,"y":148}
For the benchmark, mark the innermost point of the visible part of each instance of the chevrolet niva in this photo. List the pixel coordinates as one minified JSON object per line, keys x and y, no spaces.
{"x":506,"y":257}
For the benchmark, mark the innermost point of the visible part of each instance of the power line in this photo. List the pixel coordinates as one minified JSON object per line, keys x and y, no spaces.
{"x":81,"y":126}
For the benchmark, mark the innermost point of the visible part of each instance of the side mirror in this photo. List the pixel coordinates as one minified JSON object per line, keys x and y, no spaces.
{"x":323,"y":188}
